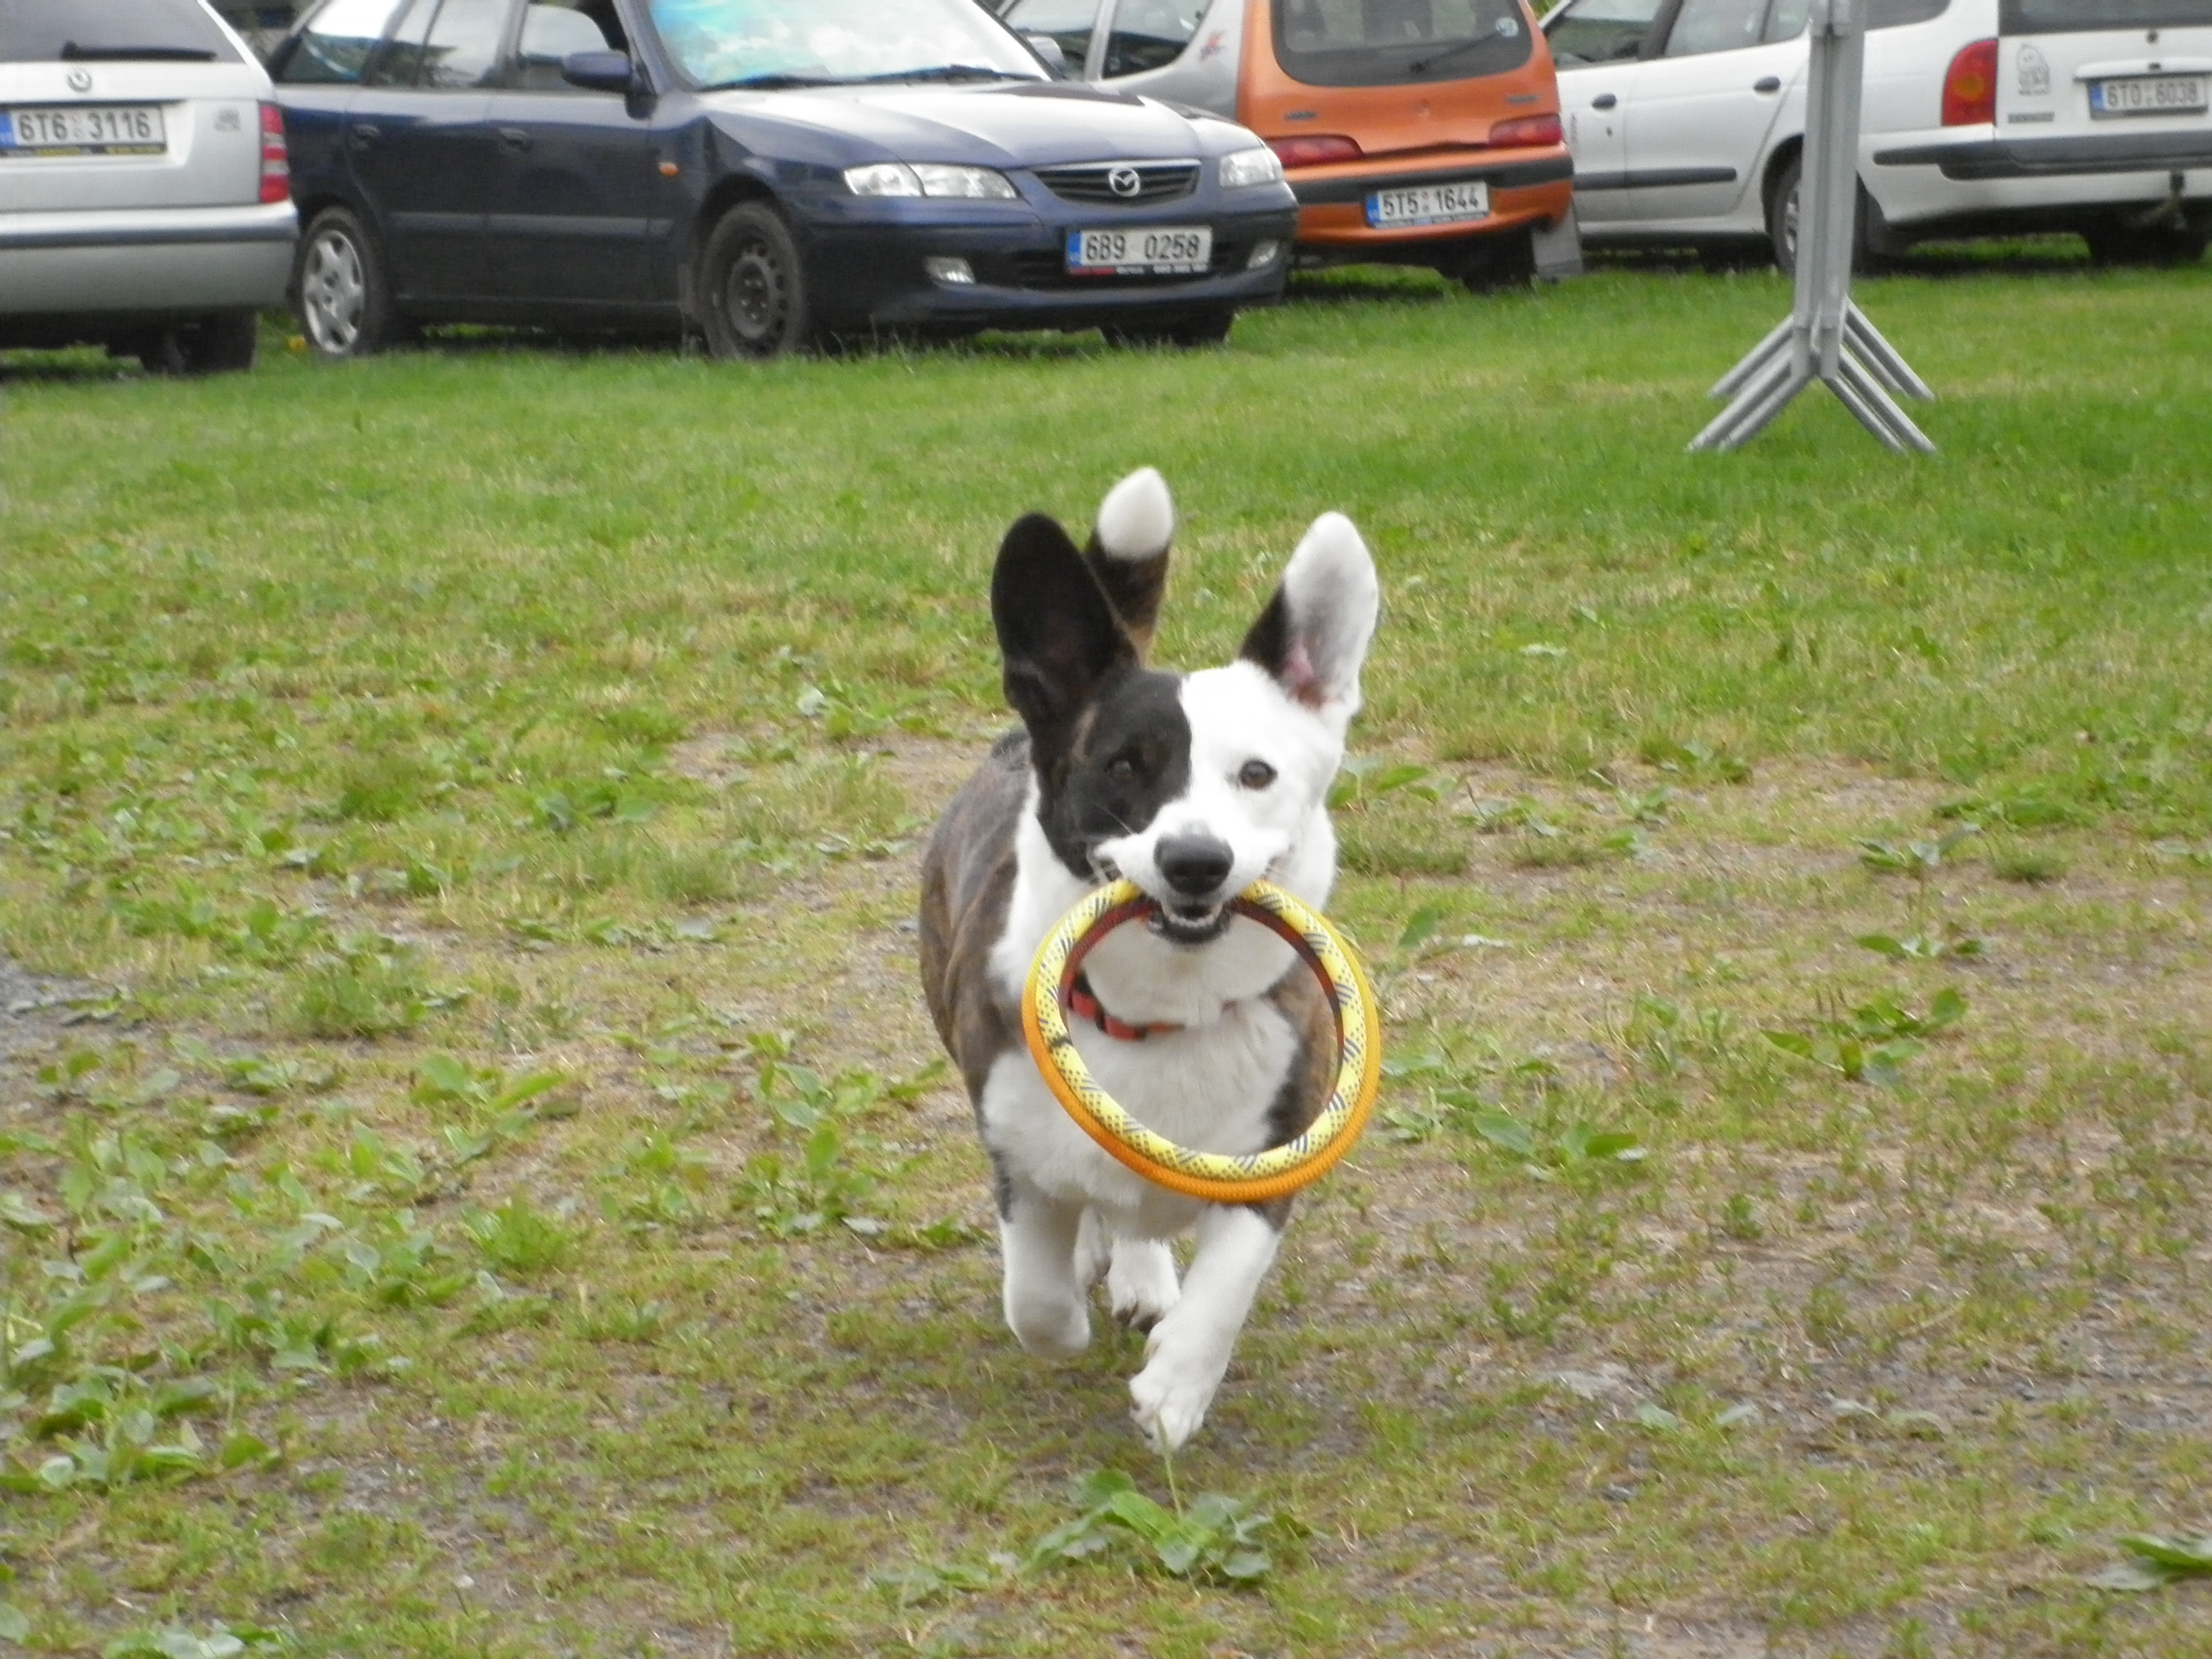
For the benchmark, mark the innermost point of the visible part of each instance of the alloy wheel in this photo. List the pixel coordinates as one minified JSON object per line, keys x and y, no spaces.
{"x":334,"y":292}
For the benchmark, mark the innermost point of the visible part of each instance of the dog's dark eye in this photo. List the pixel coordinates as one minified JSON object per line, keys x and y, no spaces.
{"x":1122,"y":768}
{"x":1255,"y":774}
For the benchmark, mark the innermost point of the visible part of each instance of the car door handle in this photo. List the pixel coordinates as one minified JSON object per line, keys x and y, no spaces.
{"x":364,"y":135}
{"x":1604,"y":100}
{"x":1767,"y":83}
{"x":514,"y":138}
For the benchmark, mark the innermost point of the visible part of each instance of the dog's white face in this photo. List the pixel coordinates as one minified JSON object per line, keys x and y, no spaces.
{"x":1254,"y":804}
{"x":1192,"y":786}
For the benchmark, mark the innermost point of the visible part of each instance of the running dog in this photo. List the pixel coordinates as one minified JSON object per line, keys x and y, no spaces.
{"x":1203,"y":1024}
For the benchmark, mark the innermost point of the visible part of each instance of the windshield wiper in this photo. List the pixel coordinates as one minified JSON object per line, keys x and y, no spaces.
{"x":1423,"y":65}
{"x":951,"y":72}
{"x":774,"y":82}
{"x":73,"y":53}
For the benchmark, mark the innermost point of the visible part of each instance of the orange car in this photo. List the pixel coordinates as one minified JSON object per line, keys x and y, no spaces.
{"x":1414,"y":131}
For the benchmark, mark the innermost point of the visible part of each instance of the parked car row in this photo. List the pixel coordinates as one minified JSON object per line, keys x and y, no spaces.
{"x":764,"y":173}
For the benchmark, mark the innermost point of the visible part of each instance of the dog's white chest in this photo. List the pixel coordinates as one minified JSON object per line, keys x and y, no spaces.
{"x":1210,"y":1089}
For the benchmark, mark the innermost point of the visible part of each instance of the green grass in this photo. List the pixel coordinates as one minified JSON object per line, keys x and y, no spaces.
{"x":465,"y":803}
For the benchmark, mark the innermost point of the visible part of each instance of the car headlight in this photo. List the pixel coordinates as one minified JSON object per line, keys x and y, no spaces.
{"x":930,"y":179}
{"x":1250,"y":166}
{"x":975,"y":184}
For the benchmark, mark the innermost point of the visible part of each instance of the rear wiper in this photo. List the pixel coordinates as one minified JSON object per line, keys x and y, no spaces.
{"x":73,"y":53}
{"x":1423,"y":65}
{"x":774,"y":82}
{"x":953,"y":72}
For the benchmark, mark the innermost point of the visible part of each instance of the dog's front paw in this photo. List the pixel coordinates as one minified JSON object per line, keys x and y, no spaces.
{"x":1169,"y":1400}
{"x":1050,"y":1329}
{"x":1140,"y":1283}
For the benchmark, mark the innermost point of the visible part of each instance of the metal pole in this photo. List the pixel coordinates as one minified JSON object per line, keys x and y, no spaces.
{"x":1825,"y":337}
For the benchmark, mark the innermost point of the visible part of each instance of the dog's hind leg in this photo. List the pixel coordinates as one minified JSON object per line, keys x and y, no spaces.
{"x":1044,"y":1293}
{"x":1190,"y":1346}
{"x":1141,"y":1282}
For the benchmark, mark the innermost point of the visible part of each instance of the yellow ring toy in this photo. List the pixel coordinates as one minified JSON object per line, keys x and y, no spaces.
{"x":1219,"y":1177}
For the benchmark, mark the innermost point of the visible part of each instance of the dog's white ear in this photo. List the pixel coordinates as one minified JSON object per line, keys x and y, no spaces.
{"x":1128,"y":551}
{"x":1313,"y":637}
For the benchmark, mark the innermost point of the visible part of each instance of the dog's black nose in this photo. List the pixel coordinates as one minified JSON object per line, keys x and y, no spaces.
{"x":1195,"y":865}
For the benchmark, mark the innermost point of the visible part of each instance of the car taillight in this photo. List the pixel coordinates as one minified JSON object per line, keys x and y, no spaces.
{"x":275,"y":160}
{"x":1970,"y":87}
{"x":1314,"y":151}
{"x":1526,"y":131}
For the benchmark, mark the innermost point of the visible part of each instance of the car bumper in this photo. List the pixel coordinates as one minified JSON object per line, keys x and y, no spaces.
{"x":146,"y":265}
{"x":873,"y":275}
{"x":1930,"y":185}
{"x":1530,"y":188}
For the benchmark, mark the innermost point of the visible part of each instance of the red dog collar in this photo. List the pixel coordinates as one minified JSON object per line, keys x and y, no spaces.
{"x":1082,"y":1002}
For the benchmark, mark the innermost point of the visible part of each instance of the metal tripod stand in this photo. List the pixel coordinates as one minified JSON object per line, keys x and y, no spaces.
{"x":1826,"y":337}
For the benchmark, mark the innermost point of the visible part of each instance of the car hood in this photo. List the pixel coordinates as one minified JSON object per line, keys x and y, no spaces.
{"x":1031,"y":124}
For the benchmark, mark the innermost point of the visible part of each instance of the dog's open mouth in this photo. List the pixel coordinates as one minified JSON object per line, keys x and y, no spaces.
{"x":1190,"y":924}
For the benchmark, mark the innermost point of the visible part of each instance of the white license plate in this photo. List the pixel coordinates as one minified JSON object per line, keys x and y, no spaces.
{"x":1454,"y":204}
{"x":83,"y":130}
{"x":1163,"y":251}
{"x":2149,"y":94}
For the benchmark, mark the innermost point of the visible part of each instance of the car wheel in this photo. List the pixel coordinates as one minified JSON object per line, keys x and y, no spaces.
{"x":1492,"y":264}
{"x":223,"y":344}
{"x":2147,"y":245}
{"x":339,"y":290}
{"x":752,"y":287}
{"x":1193,"y":329}
{"x":1784,"y":208}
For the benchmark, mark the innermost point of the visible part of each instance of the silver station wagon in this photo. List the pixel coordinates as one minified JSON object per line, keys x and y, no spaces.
{"x":145,"y":197}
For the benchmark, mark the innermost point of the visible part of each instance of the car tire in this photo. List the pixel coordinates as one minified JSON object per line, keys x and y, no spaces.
{"x":1492,"y":263}
{"x":220,"y":344}
{"x":1190,"y":331}
{"x":340,"y":293}
{"x":753,"y":301}
{"x":2147,"y":245}
{"x":223,"y":344}
{"x":1782,"y":212}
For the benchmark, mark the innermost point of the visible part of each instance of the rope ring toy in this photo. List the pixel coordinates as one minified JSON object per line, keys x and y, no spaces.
{"x":1219,"y":1177}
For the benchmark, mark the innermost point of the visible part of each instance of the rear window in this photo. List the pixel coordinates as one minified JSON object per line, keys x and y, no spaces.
{"x":112,"y":31}
{"x":2078,"y":16}
{"x":1388,"y":43}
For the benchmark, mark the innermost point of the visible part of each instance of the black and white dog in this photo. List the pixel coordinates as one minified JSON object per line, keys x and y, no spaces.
{"x":1204,"y":1025}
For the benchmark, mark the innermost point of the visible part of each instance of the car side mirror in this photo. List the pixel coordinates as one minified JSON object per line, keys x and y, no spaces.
{"x":599,"y":71}
{"x":1047,"y":51}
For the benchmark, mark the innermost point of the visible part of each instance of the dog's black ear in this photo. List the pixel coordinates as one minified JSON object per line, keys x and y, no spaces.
{"x":1057,"y":631}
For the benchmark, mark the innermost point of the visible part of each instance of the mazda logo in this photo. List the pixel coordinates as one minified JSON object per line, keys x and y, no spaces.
{"x":80,"y":79}
{"x":1125,"y":181}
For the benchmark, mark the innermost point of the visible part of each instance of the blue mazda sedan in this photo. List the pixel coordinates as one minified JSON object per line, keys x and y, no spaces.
{"x":763,"y":172}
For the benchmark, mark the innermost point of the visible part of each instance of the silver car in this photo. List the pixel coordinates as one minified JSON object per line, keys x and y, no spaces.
{"x":145,"y":197}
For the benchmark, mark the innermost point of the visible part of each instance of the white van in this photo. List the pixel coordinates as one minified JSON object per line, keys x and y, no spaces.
{"x":1980,"y":118}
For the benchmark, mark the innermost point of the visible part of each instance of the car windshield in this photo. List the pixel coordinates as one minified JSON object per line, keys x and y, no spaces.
{"x":1384,"y":43}
{"x":47,"y":31}
{"x":781,"y":42}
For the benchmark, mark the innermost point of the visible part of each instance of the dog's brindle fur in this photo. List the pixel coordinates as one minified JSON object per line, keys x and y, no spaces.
{"x":1106,"y":750}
